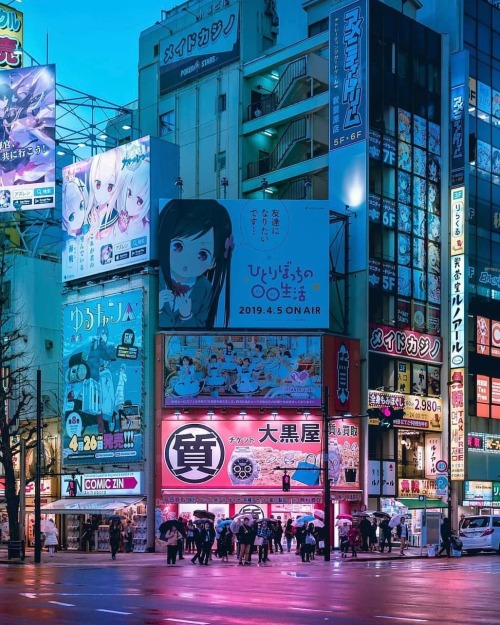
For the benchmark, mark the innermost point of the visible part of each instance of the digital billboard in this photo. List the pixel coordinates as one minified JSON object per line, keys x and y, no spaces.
{"x":243,"y":264}
{"x":233,"y":370}
{"x":200,"y":48}
{"x":103,"y":362}
{"x":106,"y":206}
{"x":235,"y":454}
{"x":27,"y":138}
{"x":11,"y":37}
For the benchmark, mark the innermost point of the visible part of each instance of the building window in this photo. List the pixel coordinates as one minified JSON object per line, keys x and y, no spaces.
{"x":156,"y":50}
{"x":167,"y":123}
{"x":221,"y":103}
{"x":318,"y":27}
{"x":220,"y":161}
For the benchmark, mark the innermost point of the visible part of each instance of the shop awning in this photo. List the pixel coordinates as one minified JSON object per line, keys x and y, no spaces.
{"x":416,"y":504}
{"x":242,"y":497}
{"x":87,"y":505}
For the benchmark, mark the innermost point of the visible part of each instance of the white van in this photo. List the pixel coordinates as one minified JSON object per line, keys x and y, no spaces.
{"x":481,"y":533}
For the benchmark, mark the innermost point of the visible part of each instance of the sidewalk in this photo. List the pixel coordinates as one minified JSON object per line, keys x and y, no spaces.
{"x":103,"y":558}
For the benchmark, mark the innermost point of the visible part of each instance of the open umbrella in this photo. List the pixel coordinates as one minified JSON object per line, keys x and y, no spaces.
{"x":115,"y":517}
{"x":396,"y":520}
{"x":381,"y":515}
{"x":240,"y":517}
{"x":344,"y":517}
{"x":168,"y":525}
{"x":319,"y":514}
{"x":204,"y":514}
{"x":360,"y":515}
{"x":203,"y":521}
{"x":223,"y":522}
{"x":307,"y":518}
{"x":340,"y":522}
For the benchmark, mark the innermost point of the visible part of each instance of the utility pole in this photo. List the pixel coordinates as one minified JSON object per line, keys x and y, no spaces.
{"x":326,"y":478}
{"x":38,"y":476}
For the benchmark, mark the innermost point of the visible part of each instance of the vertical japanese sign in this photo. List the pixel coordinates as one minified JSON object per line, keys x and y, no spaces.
{"x":200,"y":48}
{"x":433,"y":453}
{"x":27,"y":138}
{"x":457,"y":425}
{"x":11,"y":38}
{"x":348,"y":117}
{"x":457,"y":277}
{"x":460,"y":95}
{"x":102,"y":372}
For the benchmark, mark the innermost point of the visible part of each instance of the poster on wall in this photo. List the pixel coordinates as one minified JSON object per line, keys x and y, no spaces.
{"x":254,"y":370}
{"x":200,"y":48}
{"x":11,"y":37}
{"x":27,"y":138}
{"x":243,"y":264}
{"x":102,"y":379}
{"x":106,"y":206}
{"x":244,"y":453}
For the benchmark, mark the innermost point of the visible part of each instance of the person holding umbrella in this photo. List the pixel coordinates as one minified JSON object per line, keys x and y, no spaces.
{"x":344,"y":538}
{"x":246,"y":536}
{"x":207,"y":535}
{"x":385,"y":535}
{"x":403,"y":533}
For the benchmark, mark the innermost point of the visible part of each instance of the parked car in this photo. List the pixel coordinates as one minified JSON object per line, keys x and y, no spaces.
{"x":480,"y":533}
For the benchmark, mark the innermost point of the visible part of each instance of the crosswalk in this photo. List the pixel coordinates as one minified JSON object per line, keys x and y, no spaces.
{"x":489,"y":565}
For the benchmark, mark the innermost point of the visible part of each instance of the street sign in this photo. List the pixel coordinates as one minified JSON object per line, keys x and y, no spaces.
{"x":441,"y":482}
{"x":421,"y":497}
{"x":441,"y":466}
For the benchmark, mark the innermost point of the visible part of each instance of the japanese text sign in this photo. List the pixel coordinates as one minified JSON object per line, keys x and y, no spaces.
{"x":11,"y":37}
{"x":405,"y":343}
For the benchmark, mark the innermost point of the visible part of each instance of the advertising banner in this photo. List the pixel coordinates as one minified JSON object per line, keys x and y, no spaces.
{"x":457,"y":425}
{"x":27,"y":138}
{"x":243,"y":264}
{"x":106,"y":206}
{"x":11,"y":37}
{"x":200,"y":48}
{"x":422,"y":413}
{"x":405,"y":343}
{"x":433,"y":453}
{"x":108,"y":484}
{"x":102,"y":372}
{"x":478,"y":491}
{"x":221,"y":370}
{"x":241,"y":453}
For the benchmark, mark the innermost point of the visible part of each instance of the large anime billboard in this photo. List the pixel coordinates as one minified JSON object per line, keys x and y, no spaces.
{"x":252,"y":370}
{"x":102,"y":379}
{"x":27,"y":138}
{"x":243,"y":264}
{"x":106,"y":206}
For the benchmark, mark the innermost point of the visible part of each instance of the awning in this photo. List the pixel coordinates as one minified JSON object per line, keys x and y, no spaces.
{"x":87,"y":505}
{"x":242,"y":496}
{"x":416,"y":504}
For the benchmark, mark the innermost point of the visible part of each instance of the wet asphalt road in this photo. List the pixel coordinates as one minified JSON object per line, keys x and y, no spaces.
{"x":139,"y":589}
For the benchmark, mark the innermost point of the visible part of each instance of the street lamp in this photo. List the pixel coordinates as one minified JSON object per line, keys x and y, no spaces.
{"x":263,"y":185}
{"x":224,"y":183}
{"x":326,"y":478}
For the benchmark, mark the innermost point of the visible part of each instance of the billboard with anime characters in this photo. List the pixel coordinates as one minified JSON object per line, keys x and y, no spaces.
{"x":102,"y":379}
{"x":106,"y":206}
{"x":243,"y":264}
{"x":250,"y":370}
{"x":27,"y":138}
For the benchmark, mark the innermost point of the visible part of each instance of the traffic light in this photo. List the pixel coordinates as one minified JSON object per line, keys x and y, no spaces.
{"x":72,"y":487}
{"x":285,"y":482}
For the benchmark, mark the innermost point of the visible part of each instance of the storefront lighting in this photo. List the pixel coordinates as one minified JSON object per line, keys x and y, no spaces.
{"x":243,"y":413}
{"x":274,"y":414}
{"x":306,"y":414}
{"x":210,"y":413}
{"x":177,"y":413}
{"x":126,"y":127}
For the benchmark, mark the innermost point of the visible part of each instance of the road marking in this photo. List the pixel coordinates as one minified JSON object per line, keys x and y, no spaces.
{"x":178,"y":620}
{"x":67,"y":605}
{"x":30,"y":595}
{"x":404,"y":618}
{"x":308,"y":610}
{"x":112,"y":611}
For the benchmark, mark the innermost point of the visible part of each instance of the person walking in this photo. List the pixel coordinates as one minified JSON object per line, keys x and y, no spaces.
{"x":87,"y":535}
{"x":289,"y":534}
{"x":51,"y":536}
{"x":354,"y":537}
{"x":365,"y":529}
{"x":445,"y":537}
{"x":385,"y":536}
{"x":129,"y":537}
{"x":115,"y":534}
{"x":224,"y":543}
{"x":344,"y":539}
{"x":182,"y":532}
{"x":172,"y":537}
{"x":278,"y":537}
{"x":308,"y":544}
{"x":264,"y":535}
{"x":403,"y":533}
{"x":246,"y":536}
{"x":198,"y":544}
{"x":373,"y":538}
{"x":207,"y":540}
{"x":190,"y":544}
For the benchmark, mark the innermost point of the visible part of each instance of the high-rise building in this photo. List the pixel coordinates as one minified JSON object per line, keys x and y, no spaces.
{"x":390,"y":112}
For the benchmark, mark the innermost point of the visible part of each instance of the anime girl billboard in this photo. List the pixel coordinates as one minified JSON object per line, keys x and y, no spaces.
{"x":243,"y":264}
{"x":102,"y":379}
{"x":27,"y":138}
{"x":106,"y":208}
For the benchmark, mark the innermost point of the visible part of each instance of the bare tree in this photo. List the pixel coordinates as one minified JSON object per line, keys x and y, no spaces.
{"x":17,"y":395}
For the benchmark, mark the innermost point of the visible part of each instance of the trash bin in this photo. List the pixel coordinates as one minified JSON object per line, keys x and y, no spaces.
{"x":15,"y":549}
